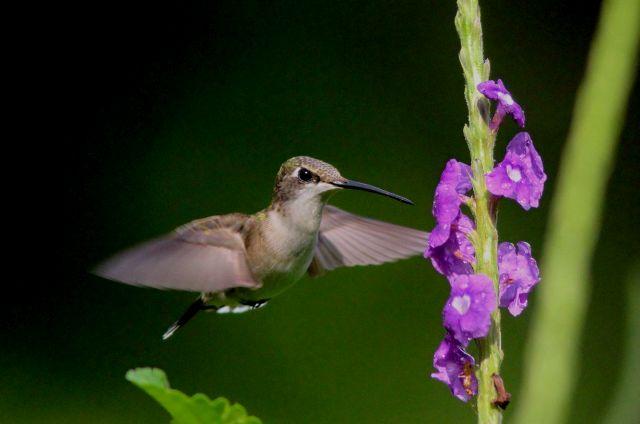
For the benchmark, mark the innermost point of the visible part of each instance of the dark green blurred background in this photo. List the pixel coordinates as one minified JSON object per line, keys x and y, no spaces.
{"x":172,"y":113}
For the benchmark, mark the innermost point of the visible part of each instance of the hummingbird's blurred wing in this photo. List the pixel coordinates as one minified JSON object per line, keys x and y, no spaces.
{"x":346,"y":239}
{"x":203,"y":256}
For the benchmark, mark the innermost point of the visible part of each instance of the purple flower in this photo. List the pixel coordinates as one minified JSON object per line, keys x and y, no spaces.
{"x":518,"y":274}
{"x":506,"y":105}
{"x":467,"y":313}
{"x":520,"y":175}
{"x":455,"y":181}
{"x":455,"y":368}
{"x":456,"y":254}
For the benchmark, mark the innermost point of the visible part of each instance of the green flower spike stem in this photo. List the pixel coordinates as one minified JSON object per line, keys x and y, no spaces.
{"x":481,"y":140}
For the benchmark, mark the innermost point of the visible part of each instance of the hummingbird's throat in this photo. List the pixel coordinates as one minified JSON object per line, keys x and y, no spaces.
{"x":303,"y":213}
{"x":302,"y":209}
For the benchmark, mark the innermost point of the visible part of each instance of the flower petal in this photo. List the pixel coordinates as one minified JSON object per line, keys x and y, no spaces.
{"x":520,"y":175}
{"x":455,"y":368}
{"x":456,"y":254}
{"x":467,"y":313}
{"x":519,"y":273}
{"x":506,"y":104}
{"x":455,"y":181}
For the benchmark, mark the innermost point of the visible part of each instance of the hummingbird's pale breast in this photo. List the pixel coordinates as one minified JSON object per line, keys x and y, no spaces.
{"x":282,"y":248}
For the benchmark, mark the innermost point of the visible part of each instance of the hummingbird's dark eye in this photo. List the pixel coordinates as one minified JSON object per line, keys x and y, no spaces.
{"x":305,"y":175}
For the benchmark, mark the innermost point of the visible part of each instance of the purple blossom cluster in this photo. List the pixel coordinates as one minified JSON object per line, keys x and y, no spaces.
{"x":467,"y":313}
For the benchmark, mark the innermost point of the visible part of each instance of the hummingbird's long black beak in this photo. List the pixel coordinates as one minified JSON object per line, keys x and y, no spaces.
{"x":356,"y":185}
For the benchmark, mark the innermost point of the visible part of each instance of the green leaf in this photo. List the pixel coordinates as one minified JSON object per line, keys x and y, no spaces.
{"x":197,"y":409}
{"x":553,"y":353}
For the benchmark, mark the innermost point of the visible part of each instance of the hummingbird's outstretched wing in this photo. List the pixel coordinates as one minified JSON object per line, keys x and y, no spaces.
{"x":346,"y":239}
{"x":207,"y":255}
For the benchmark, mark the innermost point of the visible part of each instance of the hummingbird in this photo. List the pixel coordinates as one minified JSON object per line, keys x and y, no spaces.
{"x":239,"y":262}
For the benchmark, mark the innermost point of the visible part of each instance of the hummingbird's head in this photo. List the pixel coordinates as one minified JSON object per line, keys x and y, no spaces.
{"x":306,"y":177}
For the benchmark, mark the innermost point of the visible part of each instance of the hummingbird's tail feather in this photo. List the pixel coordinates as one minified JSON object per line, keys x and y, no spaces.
{"x":191,"y":311}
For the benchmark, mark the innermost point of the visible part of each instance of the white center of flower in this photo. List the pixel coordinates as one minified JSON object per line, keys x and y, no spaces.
{"x":506,"y":98}
{"x":461,"y":304}
{"x":514,"y":173}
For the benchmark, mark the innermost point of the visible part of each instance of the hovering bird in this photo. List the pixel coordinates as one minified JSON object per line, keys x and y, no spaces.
{"x":238,"y":262}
